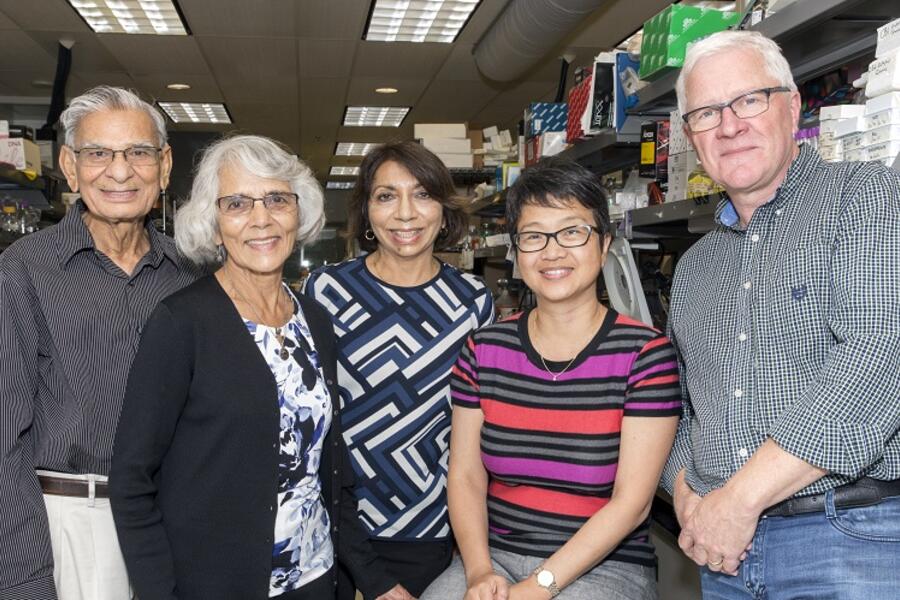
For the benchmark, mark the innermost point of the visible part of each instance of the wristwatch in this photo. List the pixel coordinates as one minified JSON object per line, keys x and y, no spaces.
{"x":546,"y":580}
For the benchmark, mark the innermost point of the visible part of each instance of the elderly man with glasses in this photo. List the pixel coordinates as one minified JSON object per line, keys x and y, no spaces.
{"x":786,"y":318}
{"x":73,"y":301}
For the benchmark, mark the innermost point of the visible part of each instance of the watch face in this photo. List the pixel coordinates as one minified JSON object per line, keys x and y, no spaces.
{"x":545,"y":578}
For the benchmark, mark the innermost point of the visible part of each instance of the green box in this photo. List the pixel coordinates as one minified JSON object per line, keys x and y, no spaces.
{"x":668,"y":34}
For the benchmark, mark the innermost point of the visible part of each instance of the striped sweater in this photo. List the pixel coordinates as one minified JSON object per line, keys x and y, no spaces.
{"x":551,"y":447}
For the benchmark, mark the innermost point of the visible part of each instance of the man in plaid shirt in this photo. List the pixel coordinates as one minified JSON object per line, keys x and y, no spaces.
{"x":786,"y":469}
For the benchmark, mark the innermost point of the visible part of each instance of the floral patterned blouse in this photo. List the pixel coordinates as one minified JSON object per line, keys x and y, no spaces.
{"x":303,"y":550}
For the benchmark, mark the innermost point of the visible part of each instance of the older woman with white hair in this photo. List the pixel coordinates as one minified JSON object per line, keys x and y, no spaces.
{"x":228,"y":469}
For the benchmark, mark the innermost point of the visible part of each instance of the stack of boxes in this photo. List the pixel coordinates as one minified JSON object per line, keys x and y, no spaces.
{"x":450,"y":141}
{"x":882,"y":110}
{"x":498,"y":147}
{"x":667,"y":35}
{"x":682,"y":159}
{"x":18,"y":150}
{"x":855,"y":132}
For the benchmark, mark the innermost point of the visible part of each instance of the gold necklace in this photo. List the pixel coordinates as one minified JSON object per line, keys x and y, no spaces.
{"x":279,"y":334}
{"x":556,"y":375}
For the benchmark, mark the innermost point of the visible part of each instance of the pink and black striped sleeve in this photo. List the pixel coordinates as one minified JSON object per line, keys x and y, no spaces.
{"x":653,"y":387}
{"x":464,"y":389}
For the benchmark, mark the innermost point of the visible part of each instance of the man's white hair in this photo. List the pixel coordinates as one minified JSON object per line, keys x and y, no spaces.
{"x":105,"y":97}
{"x":196,"y":224}
{"x":773,"y":60}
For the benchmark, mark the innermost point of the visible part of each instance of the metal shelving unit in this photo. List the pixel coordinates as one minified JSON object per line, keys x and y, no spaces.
{"x":838,"y":31}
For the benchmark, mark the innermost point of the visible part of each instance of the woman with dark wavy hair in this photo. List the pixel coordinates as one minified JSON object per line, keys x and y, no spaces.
{"x":401,"y":317}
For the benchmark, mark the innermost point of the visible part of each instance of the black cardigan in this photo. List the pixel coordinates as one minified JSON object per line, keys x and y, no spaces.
{"x":194,"y":475}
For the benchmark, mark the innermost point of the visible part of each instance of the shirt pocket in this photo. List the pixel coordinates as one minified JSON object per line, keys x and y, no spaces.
{"x":798,"y":301}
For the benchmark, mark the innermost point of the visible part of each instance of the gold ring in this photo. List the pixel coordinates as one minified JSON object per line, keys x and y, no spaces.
{"x":718,"y":563}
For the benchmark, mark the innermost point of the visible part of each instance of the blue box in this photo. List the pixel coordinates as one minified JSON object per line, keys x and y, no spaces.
{"x":541,"y":117}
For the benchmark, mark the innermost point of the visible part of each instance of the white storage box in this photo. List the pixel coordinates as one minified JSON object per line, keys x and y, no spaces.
{"x":849,"y":126}
{"x":888,"y":38}
{"x":885,"y":117}
{"x":854,"y":141}
{"x":831,"y":152}
{"x":858,"y":155}
{"x":882,"y":134}
{"x":450,"y":145}
{"x":882,"y":103}
{"x":22,"y":154}
{"x":884,"y":150}
{"x":439,"y":130}
{"x":842,"y":111}
{"x":884,"y":75}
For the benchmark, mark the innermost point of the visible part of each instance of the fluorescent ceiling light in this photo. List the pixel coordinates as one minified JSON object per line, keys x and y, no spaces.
{"x":155,"y":17}
{"x":418,"y":20}
{"x":375,"y":116}
{"x":179,"y":86}
{"x":339,"y":185}
{"x":343,"y":171}
{"x":386,"y":90}
{"x":353,"y":148}
{"x":196,"y":112}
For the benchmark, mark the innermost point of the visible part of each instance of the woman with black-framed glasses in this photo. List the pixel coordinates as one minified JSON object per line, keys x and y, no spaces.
{"x":228,"y":478}
{"x":563,"y":417}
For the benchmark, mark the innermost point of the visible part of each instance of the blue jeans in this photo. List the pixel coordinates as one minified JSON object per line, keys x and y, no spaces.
{"x":839,"y":554}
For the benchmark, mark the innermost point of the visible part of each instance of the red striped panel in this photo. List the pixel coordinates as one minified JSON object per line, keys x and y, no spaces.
{"x":548,"y":501}
{"x":545,"y":419}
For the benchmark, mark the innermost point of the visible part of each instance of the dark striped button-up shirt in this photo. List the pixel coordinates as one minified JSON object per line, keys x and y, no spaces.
{"x":789,"y":329}
{"x":70,"y":323}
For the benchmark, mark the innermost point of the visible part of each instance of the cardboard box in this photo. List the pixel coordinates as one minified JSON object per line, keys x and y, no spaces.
{"x":884,"y":75}
{"x":21,"y":153}
{"x":845,"y":127}
{"x":545,"y":116}
{"x":878,"y":135}
{"x":457,"y":161}
{"x":532,"y":150}
{"x":884,"y":151}
{"x":448,"y":145}
{"x":439,"y":130}
{"x":476,"y":142}
{"x":854,"y":141}
{"x":647,"y":166}
{"x":858,"y":155}
{"x":667,"y":35}
{"x":662,"y":151}
{"x":888,"y":38}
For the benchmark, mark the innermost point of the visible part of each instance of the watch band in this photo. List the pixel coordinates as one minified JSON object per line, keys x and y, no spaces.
{"x":551,"y":587}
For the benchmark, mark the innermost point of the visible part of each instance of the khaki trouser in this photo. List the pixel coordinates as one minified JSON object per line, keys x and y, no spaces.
{"x":87,"y":561}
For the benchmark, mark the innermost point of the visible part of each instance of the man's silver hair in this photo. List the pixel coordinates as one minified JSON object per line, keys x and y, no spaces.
{"x":773,"y":60}
{"x":105,"y":97}
{"x":196,"y":224}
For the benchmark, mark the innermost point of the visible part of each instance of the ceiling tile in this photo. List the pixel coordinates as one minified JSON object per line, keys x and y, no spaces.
{"x":507,"y":108}
{"x":326,"y":58}
{"x":434,"y":107}
{"x":460,"y":65}
{"x":44,"y":15}
{"x":362,"y":91}
{"x":6,"y":23}
{"x":414,"y":61}
{"x":18,"y":83}
{"x":334,"y":19}
{"x":154,"y":54}
{"x":203,"y":87}
{"x":253,"y":69}
{"x":322,"y":104}
{"x":88,"y":54}
{"x":486,"y":13}
{"x":21,"y":52}
{"x":83,"y":81}
{"x":271,"y":18}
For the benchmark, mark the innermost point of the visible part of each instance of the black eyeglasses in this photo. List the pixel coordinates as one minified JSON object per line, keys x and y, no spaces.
{"x":139,"y":156}
{"x":570,"y":237}
{"x":276,"y":202}
{"x":745,"y":106}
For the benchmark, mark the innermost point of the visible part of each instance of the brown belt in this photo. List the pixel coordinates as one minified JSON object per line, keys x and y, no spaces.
{"x":76,"y":488}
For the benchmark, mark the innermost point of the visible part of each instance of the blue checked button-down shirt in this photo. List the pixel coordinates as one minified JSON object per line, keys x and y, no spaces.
{"x":790,"y":330}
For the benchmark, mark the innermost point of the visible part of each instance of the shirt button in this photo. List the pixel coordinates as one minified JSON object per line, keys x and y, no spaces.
{"x":778,"y":212}
{"x":743,"y":453}
{"x":754,"y":237}
{"x":738,"y":393}
{"x":747,"y":285}
{"x":742,"y":337}
{"x":335,"y":471}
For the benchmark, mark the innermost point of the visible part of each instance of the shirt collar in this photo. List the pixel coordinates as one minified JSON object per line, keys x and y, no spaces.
{"x":801,"y":169}
{"x":73,"y":237}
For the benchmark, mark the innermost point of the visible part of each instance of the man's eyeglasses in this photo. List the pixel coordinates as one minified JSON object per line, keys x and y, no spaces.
{"x":744,"y":106}
{"x":277,"y":202}
{"x":570,"y":237}
{"x":138,"y":156}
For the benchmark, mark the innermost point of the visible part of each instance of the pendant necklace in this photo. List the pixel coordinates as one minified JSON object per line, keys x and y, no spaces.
{"x":553,"y":374}
{"x":279,"y":333}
